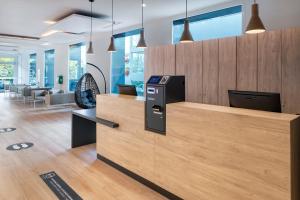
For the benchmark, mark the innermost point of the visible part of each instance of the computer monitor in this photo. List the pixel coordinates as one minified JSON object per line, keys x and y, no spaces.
{"x":127,"y":89}
{"x":255,"y":100}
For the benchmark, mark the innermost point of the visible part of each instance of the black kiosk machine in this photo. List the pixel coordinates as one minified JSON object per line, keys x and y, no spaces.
{"x":161,"y":90}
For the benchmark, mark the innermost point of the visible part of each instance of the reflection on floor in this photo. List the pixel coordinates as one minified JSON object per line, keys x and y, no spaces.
{"x":50,"y":131}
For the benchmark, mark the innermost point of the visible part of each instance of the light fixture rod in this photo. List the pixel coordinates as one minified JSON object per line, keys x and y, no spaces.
{"x":186,"y":5}
{"x":112,"y":17}
{"x":91,"y":20}
{"x":142,"y":13}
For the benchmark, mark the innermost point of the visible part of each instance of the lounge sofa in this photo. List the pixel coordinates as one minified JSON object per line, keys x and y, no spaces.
{"x":59,"y":98}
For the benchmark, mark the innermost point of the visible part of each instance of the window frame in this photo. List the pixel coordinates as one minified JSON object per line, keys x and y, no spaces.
{"x":29,"y":75}
{"x":50,"y":50}
{"x":80,"y":44}
{"x":116,"y":36}
{"x":208,"y":15}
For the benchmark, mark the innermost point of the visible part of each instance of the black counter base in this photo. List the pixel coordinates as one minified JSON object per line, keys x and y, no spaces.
{"x":140,"y":179}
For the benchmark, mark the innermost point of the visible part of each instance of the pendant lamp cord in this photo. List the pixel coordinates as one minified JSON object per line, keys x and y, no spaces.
{"x":142,"y":14}
{"x":91,"y":21}
{"x":186,"y":9}
{"x":112,"y":17}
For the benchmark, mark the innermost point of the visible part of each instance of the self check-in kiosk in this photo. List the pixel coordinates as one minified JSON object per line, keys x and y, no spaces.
{"x":161,"y":90}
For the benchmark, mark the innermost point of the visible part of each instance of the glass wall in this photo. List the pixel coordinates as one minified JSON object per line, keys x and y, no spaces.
{"x":8,"y":64}
{"x":128,"y":62}
{"x":218,"y":24}
{"x":49,"y":68}
{"x":77,"y":64}
{"x":32,"y":69}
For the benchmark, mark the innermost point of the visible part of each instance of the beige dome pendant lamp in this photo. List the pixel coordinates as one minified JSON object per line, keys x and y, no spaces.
{"x":112,"y":47}
{"x":142,"y":42}
{"x":90,"y":49}
{"x":255,"y":24}
{"x":186,"y":35}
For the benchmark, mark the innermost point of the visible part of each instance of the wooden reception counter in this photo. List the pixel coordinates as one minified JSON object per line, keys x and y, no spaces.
{"x":209,"y":152}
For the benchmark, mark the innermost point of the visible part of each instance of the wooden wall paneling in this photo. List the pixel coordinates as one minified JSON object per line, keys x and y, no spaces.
{"x":269,"y":61}
{"x":210,"y":71}
{"x":168,"y":59}
{"x":291,"y":70}
{"x":247,"y":63}
{"x":154,"y":61}
{"x":227,"y":68}
{"x":159,"y":60}
{"x":189,"y":63}
{"x":148,"y":62}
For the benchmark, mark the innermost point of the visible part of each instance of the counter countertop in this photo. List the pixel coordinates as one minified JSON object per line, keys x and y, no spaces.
{"x":217,"y":108}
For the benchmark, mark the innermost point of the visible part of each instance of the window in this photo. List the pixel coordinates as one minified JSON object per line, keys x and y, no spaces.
{"x":77,"y":64}
{"x":32,"y":69}
{"x":128,"y":62}
{"x":218,"y":24}
{"x":8,"y":65}
{"x":49,"y":68}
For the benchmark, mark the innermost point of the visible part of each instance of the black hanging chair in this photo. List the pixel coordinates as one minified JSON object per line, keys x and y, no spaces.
{"x":87,"y":89}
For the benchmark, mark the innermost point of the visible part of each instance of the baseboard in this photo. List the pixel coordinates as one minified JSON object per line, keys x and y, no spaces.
{"x":140,"y":179}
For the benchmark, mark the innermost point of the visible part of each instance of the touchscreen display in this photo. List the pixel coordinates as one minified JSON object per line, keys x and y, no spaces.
{"x":154,"y":79}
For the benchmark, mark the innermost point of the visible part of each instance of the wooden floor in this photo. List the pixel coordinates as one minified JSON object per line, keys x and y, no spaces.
{"x":50,"y":131}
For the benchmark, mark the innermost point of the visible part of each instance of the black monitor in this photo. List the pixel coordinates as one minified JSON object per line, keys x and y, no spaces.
{"x":255,"y":100}
{"x":127,"y":89}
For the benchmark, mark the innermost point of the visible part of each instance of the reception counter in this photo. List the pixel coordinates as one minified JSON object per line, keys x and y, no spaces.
{"x":209,"y":152}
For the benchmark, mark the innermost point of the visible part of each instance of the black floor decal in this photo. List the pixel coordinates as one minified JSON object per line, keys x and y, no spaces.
{"x":6,"y":130}
{"x":19,"y":146}
{"x":60,"y":188}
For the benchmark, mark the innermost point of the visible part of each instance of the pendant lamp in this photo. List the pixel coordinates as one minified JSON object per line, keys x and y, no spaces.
{"x":186,"y":35}
{"x":255,"y":24}
{"x":90,"y":49}
{"x":112,"y":47}
{"x":142,"y":42}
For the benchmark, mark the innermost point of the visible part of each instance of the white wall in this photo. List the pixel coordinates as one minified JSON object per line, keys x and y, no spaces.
{"x":100,"y":58}
{"x":276,"y":14}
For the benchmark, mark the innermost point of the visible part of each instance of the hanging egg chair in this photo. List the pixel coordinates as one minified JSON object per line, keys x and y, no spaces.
{"x":86,"y":91}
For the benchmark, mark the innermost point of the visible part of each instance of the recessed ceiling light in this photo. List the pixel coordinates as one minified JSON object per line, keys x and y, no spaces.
{"x":45,"y":44}
{"x":49,"y":22}
{"x":144,"y":5}
{"x":51,"y":32}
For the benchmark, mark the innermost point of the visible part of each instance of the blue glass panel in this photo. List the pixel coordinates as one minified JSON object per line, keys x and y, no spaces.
{"x":32,"y":69}
{"x":118,"y":65}
{"x":77,"y":64}
{"x":49,"y":68}
{"x":128,"y":62}
{"x":218,"y":24}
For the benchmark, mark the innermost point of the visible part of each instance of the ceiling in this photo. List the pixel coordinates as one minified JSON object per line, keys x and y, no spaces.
{"x":26,"y":17}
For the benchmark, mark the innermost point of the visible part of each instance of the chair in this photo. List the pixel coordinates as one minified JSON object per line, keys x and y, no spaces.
{"x":127,"y":89}
{"x":86,"y":91}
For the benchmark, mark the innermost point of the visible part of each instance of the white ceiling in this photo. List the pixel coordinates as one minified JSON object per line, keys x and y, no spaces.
{"x":26,"y":17}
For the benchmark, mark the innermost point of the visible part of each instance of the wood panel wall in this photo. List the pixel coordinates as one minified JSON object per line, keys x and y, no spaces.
{"x":189,"y":63}
{"x":227,"y":69}
{"x":247,"y":63}
{"x":210,"y":71}
{"x":291,"y":70}
{"x":268,"y":62}
{"x":159,"y":60}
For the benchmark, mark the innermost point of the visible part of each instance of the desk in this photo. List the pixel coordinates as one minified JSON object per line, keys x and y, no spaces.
{"x":209,"y":152}
{"x":84,"y":127}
